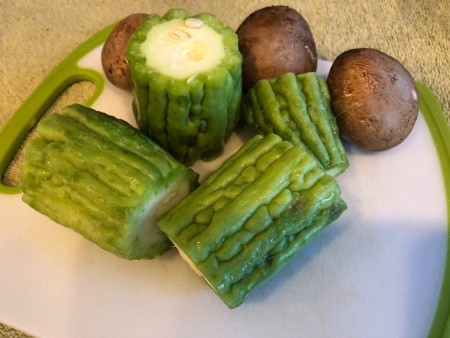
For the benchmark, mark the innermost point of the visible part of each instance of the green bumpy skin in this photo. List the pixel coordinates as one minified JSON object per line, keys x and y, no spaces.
{"x":190,"y":117}
{"x":297,"y":108}
{"x":103,"y":178}
{"x":252,"y":215}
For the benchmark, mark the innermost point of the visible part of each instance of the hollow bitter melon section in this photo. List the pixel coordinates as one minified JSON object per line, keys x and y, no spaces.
{"x":187,"y":84}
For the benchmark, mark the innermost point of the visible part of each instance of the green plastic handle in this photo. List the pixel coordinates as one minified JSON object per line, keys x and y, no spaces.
{"x":440,"y":133}
{"x":29,"y":113}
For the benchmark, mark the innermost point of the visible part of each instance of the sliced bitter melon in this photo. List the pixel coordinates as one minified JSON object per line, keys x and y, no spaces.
{"x":104,"y":179}
{"x":252,"y":215}
{"x":187,"y":83}
{"x":297,"y":108}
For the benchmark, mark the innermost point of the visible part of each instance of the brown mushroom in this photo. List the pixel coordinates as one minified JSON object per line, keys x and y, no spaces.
{"x":275,"y":40}
{"x":114,"y":62}
{"x":373,"y":97}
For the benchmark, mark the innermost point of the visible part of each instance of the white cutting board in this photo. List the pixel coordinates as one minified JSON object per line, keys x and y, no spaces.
{"x":376,"y":272}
